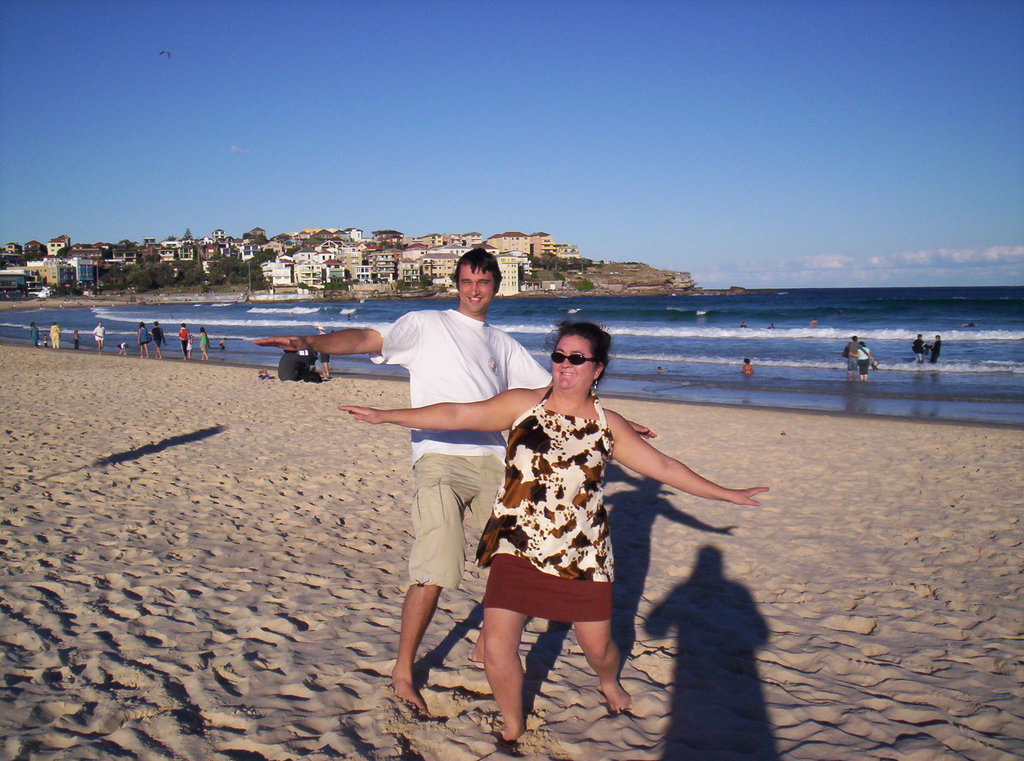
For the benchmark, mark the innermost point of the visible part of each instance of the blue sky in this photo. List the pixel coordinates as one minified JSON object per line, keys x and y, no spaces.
{"x":756,"y":143}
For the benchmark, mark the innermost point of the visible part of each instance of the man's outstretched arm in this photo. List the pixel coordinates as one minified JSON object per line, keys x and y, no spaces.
{"x":347,"y":341}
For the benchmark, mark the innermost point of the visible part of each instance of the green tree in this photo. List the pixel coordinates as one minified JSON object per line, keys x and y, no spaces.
{"x":115,"y":277}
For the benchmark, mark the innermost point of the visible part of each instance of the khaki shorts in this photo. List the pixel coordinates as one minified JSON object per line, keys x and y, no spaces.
{"x":446,"y":487}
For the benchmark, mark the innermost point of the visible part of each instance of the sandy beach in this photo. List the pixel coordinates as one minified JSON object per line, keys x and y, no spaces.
{"x":197,"y":564}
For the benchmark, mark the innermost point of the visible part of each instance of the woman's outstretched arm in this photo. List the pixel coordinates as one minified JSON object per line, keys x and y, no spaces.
{"x":636,"y":454}
{"x":494,"y":414}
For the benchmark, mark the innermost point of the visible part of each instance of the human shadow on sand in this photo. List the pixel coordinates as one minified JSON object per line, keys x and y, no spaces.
{"x":718,"y":709}
{"x":173,"y":441}
{"x":632,"y":513}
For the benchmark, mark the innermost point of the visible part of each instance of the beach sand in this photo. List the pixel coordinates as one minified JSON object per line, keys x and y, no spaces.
{"x":201,"y":565}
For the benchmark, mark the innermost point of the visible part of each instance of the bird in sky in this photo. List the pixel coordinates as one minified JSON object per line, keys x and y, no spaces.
{"x":166,"y":53}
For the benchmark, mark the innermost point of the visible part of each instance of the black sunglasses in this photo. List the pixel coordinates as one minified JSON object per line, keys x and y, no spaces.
{"x":574,"y":359}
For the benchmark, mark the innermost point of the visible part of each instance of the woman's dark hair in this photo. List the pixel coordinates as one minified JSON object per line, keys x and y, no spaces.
{"x":142,"y":324}
{"x":479,"y":260}
{"x":598,"y":338}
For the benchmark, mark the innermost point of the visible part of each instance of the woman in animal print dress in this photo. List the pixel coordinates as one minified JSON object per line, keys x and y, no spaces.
{"x":547,"y":539}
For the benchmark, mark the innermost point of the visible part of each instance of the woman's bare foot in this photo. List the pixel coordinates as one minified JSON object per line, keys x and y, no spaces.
{"x":477,"y":656}
{"x":618,"y":699}
{"x":508,"y":735}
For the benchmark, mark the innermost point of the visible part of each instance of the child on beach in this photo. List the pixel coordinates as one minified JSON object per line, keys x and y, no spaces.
{"x":186,"y":342}
{"x":204,"y":344}
{"x":748,"y":369}
{"x":122,"y":349}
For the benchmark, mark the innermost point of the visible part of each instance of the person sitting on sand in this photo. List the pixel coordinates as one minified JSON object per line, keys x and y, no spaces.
{"x":547,"y":540}
{"x":748,"y":369}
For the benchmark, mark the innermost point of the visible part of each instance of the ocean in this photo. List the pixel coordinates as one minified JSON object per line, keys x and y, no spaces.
{"x":683,"y":348}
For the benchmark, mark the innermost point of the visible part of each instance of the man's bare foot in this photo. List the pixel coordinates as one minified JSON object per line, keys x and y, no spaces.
{"x":617,"y":699}
{"x":406,"y":692}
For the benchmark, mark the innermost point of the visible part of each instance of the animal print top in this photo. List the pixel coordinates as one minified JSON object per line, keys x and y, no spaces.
{"x":550,"y":510}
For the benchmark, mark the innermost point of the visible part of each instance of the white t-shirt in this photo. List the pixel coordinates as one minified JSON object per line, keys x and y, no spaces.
{"x":454,"y":358}
{"x":99,"y":332}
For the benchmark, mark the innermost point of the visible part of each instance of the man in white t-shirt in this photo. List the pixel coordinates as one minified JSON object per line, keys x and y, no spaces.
{"x":452,"y":356}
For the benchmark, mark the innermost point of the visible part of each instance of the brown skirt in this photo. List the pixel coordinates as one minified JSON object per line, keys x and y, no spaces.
{"x":515,"y":584}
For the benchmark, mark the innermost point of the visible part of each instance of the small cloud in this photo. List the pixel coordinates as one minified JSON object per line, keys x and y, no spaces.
{"x":996,"y":264}
{"x":236,"y":149}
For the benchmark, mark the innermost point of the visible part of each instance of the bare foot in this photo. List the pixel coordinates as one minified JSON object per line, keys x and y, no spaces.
{"x":508,"y":736}
{"x":618,"y":699}
{"x":408,"y":694}
{"x":477,"y":656}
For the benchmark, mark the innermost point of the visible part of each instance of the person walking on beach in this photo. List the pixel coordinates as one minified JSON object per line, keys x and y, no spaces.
{"x":33,"y":334}
{"x":158,"y":339}
{"x":55,"y":335}
{"x":76,"y":339}
{"x":547,"y":539}
{"x":452,"y":356}
{"x":850,"y":352}
{"x":99,"y":333}
{"x":204,"y":345}
{"x":186,"y":340}
{"x":935,"y":349}
{"x":918,"y":348}
{"x":144,"y":338}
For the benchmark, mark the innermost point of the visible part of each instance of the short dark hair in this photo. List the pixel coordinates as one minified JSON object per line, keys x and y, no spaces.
{"x":479,"y":260}
{"x":598,"y":338}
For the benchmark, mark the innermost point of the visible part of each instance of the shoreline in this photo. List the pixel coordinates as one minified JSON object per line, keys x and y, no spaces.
{"x":617,"y":393}
{"x":215,"y":565}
